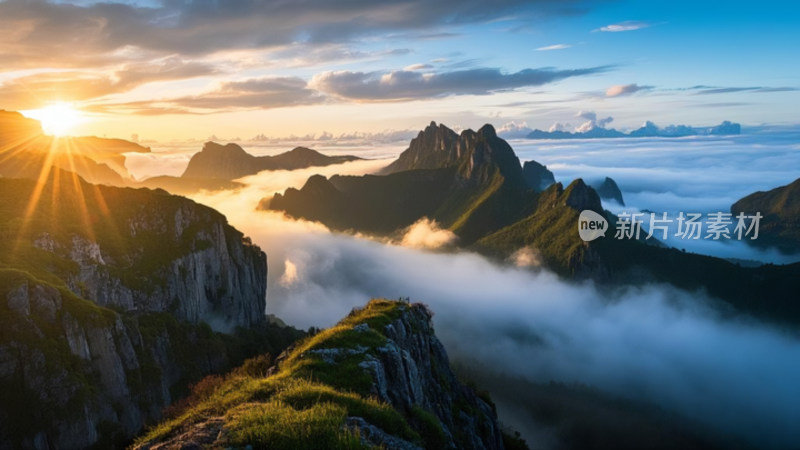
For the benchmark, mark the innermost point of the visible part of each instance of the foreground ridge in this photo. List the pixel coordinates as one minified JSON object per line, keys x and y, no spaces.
{"x":380,"y":377}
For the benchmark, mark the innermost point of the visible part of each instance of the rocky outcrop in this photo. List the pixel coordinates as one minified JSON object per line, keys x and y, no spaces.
{"x":412,"y":370}
{"x":382,"y":368}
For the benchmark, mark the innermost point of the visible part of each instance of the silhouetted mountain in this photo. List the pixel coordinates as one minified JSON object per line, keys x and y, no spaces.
{"x":780,"y":208}
{"x":536,"y":176}
{"x":609,"y":190}
{"x":26,"y":152}
{"x":649,"y":129}
{"x":229,"y":162}
{"x":472,"y":183}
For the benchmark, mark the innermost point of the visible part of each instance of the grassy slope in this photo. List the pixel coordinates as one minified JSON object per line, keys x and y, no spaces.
{"x":305,"y":404}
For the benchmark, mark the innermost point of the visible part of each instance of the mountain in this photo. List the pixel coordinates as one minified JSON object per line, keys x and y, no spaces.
{"x":378,"y":379}
{"x":649,"y":129}
{"x":537,"y":176}
{"x":470,"y":182}
{"x":608,"y":190}
{"x":780,"y":208}
{"x":216,"y":166}
{"x":229,"y":162}
{"x":112,"y":301}
{"x":25,"y":151}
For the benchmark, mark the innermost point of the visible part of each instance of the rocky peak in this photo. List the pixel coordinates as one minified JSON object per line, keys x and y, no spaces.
{"x":579,"y":197}
{"x":478,"y":155}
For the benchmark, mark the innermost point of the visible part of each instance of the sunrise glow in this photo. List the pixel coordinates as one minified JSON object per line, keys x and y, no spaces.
{"x":59,"y":119}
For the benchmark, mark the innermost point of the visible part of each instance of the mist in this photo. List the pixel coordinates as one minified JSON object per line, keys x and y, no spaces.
{"x":653,"y":344}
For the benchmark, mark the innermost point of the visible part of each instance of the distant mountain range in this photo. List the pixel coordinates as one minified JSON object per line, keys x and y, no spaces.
{"x":473,"y":184}
{"x":649,"y":129}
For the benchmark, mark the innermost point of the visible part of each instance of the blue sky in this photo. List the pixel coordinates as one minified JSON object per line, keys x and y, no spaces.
{"x":242,"y":67}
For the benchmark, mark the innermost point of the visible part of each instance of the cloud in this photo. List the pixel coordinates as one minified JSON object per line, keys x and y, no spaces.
{"x":704,"y":90}
{"x":514,"y":130}
{"x":553,"y":47}
{"x":34,"y":91}
{"x":255,"y":93}
{"x":625,"y":89}
{"x":37,"y":30}
{"x":406,"y":85}
{"x":427,"y":234}
{"x":417,"y":67}
{"x":289,"y":276}
{"x":591,"y":122}
{"x":527,"y":257}
{"x":629,"y":25}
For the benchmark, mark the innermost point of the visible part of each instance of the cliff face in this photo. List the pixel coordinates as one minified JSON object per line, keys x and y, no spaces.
{"x":108,"y":298}
{"x":380,"y":378}
{"x":412,"y":370}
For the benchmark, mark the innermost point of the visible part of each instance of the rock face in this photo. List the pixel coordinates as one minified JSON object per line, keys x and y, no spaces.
{"x":412,"y":370}
{"x":609,"y":190}
{"x":108,"y":298}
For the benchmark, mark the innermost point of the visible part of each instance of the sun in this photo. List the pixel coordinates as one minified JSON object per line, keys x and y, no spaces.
{"x":58,"y":119}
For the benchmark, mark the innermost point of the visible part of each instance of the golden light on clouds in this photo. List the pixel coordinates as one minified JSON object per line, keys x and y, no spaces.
{"x":58,"y":119}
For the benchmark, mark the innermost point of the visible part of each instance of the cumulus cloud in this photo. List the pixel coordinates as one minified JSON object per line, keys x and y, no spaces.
{"x":625,"y":89}
{"x":527,"y":257}
{"x":629,"y":25}
{"x":403,"y":84}
{"x":427,"y":234}
{"x":591,"y":121}
{"x":514,"y":130}
{"x":553,"y":47}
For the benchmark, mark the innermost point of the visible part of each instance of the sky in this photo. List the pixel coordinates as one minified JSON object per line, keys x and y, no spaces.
{"x":172,"y":69}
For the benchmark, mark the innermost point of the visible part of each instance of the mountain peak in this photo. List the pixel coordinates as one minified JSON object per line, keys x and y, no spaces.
{"x":487,"y":131}
{"x":580,"y":196}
